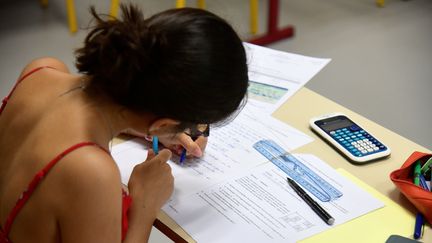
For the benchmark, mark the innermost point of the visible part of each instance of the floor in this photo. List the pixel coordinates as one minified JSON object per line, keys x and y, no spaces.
{"x":381,"y":57}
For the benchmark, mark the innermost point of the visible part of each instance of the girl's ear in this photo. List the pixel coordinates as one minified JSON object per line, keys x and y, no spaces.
{"x":162,"y":126}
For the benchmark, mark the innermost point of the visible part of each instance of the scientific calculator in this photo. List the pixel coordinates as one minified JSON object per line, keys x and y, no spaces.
{"x":349,"y":138}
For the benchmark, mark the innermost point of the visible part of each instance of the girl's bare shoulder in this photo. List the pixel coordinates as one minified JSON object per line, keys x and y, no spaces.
{"x":86,"y":177}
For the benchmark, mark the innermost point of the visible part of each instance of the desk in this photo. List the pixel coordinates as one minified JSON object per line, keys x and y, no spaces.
{"x":297,"y":111}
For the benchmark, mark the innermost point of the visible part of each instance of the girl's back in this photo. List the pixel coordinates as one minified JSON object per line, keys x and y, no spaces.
{"x":43,"y":117}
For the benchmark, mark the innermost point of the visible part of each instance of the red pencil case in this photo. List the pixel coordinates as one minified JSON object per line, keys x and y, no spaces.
{"x":403,"y":179}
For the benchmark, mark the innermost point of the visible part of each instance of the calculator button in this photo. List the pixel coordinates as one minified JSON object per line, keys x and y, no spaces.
{"x":354,"y":128}
{"x":332,"y":133}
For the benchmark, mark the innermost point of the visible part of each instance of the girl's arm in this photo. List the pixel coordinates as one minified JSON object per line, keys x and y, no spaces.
{"x":91,"y":201}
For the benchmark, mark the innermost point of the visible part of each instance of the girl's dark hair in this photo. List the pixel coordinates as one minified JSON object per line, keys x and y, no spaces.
{"x":186,"y":64}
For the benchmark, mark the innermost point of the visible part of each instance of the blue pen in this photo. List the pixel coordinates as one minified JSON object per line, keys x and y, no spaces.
{"x":418,"y":226}
{"x":183,"y":154}
{"x":423,"y":183}
{"x":155,"y":144}
{"x":419,"y":217}
{"x":204,"y":133}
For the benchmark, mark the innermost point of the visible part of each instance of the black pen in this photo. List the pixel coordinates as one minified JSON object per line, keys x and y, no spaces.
{"x":312,"y":204}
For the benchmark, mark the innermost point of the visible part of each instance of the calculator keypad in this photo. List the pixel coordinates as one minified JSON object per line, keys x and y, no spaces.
{"x":357,"y":141}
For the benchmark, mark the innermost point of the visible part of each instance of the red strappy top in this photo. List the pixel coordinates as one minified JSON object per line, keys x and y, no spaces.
{"x":25,"y":196}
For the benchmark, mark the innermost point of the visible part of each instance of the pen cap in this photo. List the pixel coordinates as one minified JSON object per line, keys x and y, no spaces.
{"x":403,"y":180}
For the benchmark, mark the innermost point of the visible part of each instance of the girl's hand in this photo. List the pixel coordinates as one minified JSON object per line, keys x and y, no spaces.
{"x":183,"y":141}
{"x":151,"y":184}
{"x":176,"y":143}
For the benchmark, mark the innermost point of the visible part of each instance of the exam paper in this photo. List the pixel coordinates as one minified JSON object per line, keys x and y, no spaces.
{"x":229,"y":151}
{"x":275,"y":75}
{"x":259,"y":206}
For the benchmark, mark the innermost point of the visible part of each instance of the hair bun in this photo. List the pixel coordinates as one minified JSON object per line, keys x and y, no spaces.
{"x":118,"y":48}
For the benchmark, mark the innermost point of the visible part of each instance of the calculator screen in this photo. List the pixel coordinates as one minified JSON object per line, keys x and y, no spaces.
{"x":334,"y":123}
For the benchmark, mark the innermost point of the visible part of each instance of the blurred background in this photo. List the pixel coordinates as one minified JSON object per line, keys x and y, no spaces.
{"x":381,"y":57}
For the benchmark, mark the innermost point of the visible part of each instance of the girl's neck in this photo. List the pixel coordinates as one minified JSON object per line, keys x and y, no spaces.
{"x":112,"y":118}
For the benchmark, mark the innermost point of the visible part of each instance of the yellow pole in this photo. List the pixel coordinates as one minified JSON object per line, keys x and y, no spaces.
{"x":380,"y":3}
{"x":71,"y":16}
{"x":201,"y":4}
{"x":254,"y":16}
{"x":44,"y":3}
{"x":114,"y":8}
{"x":180,"y":3}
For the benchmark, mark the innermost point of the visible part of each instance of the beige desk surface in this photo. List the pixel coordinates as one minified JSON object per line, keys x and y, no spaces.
{"x":306,"y":104}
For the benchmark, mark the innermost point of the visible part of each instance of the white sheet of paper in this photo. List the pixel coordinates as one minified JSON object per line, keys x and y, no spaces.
{"x":259,"y":206}
{"x":275,"y":75}
{"x":229,"y":151}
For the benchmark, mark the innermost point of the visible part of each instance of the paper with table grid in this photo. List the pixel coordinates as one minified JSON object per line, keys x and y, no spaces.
{"x":274,"y":76}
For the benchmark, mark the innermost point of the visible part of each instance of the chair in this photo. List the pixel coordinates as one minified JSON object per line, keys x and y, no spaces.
{"x":70,"y":12}
{"x":182,"y":3}
{"x":253,"y":12}
{"x":202,"y":4}
{"x":274,"y":33}
{"x":380,"y":3}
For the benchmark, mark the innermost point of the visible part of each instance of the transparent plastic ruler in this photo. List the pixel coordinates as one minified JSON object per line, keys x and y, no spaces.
{"x":297,"y":171}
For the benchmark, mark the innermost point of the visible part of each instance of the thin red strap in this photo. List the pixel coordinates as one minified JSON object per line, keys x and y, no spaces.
{"x":126,"y":203}
{"x":3,"y":237}
{"x":6,"y":99}
{"x":35,"y":182}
